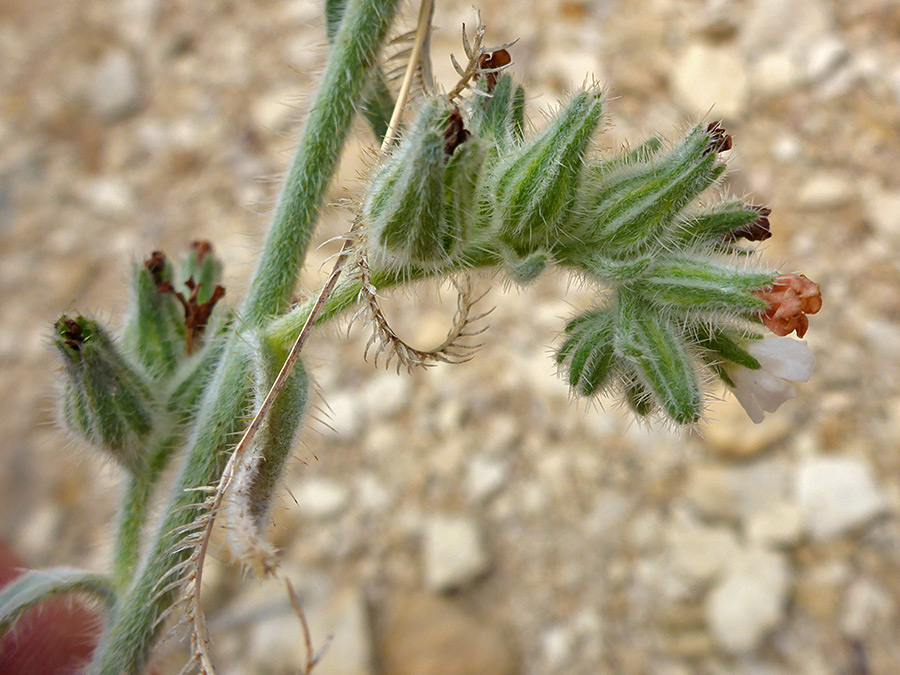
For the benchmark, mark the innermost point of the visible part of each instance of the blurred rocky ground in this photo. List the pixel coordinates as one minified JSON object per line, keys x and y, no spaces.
{"x":473,"y":519}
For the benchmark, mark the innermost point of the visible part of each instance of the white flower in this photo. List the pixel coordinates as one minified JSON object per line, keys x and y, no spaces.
{"x":783,"y":360}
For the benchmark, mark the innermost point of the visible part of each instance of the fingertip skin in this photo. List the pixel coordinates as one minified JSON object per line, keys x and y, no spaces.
{"x":56,"y":638}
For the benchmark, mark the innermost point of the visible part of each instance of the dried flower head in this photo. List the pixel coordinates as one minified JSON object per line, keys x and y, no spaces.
{"x":790,"y":298}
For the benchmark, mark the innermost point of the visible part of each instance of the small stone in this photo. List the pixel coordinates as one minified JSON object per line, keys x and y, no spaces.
{"x":786,"y":148}
{"x":782,"y":524}
{"x":602,"y":424}
{"x":825,"y":191}
{"x":762,"y":484}
{"x":380,"y":440}
{"x":691,"y":644}
{"x":371,"y":493}
{"x":610,"y":511}
{"x":320,"y":498}
{"x":557,"y":646}
{"x":277,"y":643}
{"x":38,"y":532}
{"x":344,"y":624}
{"x":138,"y":19}
{"x":712,"y":490}
{"x":446,"y":459}
{"x":730,"y":433}
{"x":894,"y":82}
{"x":645,"y":530}
{"x":698,"y":553}
{"x":713,"y":78}
{"x":501,"y":432}
{"x":533,"y":497}
{"x":774,"y":73}
{"x":427,"y":635}
{"x":717,"y":20}
{"x":108,"y":196}
{"x":564,"y":68}
{"x":454,"y":554}
{"x":340,"y":622}
{"x":881,"y":208}
{"x":274,"y":111}
{"x":825,"y":55}
{"x":749,"y":601}
{"x":776,"y":25}
{"x":818,"y":590}
{"x":867,"y":605}
{"x":840,"y":82}
{"x":114,"y":86}
{"x":486,"y":476}
{"x":837,"y":494}
{"x":387,"y":394}
{"x":587,"y":624}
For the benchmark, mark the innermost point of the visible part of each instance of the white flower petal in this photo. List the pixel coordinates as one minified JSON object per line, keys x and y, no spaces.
{"x":782,"y":361}
{"x":748,"y":402}
{"x":784,"y":357}
{"x":771,"y":391}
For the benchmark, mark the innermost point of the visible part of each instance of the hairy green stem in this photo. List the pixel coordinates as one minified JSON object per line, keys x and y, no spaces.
{"x":345,"y":81}
{"x":125,"y":645}
{"x":126,"y":550}
{"x":135,"y":624}
{"x":284,"y":329}
{"x":183,"y":401}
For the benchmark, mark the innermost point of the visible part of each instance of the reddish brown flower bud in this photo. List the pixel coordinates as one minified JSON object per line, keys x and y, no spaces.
{"x":790,"y":298}
{"x":70,"y":331}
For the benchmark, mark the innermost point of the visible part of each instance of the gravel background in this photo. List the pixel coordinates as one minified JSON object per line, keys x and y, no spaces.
{"x":473,"y":519}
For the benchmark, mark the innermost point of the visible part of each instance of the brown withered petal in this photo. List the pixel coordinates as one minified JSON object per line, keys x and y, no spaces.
{"x":155,"y":264}
{"x":72,"y":333}
{"x":496,"y":59}
{"x":196,"y":314}
{"x":202,"y":248}
{"x":790,"y":298}
{"x":456,"y":133}
{"x":758,"y":230}
{"x":720,"y":141}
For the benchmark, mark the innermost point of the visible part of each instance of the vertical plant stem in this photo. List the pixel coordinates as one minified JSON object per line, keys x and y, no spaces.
{"x":126,"y":549}
{"x":135,"y":623}
{"x":354,"y":52}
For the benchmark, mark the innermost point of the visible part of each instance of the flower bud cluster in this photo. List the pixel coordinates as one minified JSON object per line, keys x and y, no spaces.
{"x":685,"y":294}
{"x":116,"y":396}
